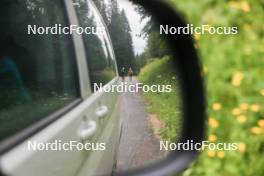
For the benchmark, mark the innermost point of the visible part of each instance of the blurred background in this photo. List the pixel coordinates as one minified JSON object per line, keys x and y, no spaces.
{"x":233,"y":73}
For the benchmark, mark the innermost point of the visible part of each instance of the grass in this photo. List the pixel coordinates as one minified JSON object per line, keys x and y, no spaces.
{"x":165,"y":105}
{"x":233,"y":73}
{"x":103,"y":76}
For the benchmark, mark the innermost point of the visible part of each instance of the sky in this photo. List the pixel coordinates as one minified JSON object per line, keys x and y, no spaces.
{"x":136,"y":25}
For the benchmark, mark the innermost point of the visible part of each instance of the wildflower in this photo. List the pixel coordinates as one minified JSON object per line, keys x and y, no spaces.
{"x":261,"y":123}
{"x":262,"y":92}
{"x":244,"y":106}
{"x":256,"y":130}
{"x":217,"y":106}
{"x":197,"y":36}
{"x":221,"y":154}
{"x":213,"y":122}
{"x":212,"y":138}
{"x":241,"y":119}
{"x":261,"y":48}
{"x":245,"y":6}
{"x":205,"y":69}
{"x":236,"y":111}
{"x":237,"y":78}
{"x":241,"y":147}
{"x":255,"y":107}
{"x":211,"y":153}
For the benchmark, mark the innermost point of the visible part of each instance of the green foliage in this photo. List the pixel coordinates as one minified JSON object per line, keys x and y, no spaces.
{"x":233,"y":69}
{"x":119,"y":30}
{"x":162,"y":72}
{"x":156,"y":45}
{"x":105,"y":75}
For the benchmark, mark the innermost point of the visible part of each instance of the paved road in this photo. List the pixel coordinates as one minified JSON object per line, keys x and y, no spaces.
{"x":138,"y":145}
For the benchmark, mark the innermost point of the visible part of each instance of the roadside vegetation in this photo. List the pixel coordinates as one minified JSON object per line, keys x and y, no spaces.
{"x":232,"y":67}
{"x":165,"y":105}
{"x":233,"y":73}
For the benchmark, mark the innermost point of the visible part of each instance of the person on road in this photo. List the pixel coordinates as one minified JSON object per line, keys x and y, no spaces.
{"x":122,"y":73}
{"x":130,"y":73}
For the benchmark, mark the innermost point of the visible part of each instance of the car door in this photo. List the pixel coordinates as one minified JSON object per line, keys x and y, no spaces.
{"x":46,"y":112}
{"x":102,"y":73}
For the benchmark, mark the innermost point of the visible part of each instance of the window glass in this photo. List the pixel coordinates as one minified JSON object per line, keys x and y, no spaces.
{"x":38,"y":73}
{"x":100,"y":56}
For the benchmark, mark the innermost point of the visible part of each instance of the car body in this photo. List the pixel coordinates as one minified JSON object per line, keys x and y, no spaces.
{"x":82,"y":114}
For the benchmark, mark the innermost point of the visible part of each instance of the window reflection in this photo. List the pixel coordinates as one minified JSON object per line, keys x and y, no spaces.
{"x":37,"y":72}
{"x":100,"y":56}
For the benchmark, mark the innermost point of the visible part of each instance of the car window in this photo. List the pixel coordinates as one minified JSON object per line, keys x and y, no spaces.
{"x":100,"y":56}
{"x":38,"y":74}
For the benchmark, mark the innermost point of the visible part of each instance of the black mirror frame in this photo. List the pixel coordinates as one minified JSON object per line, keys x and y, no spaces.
{"x":192,"y":88}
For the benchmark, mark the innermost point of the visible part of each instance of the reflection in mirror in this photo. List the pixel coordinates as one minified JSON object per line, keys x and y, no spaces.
{"x":150,"y":107}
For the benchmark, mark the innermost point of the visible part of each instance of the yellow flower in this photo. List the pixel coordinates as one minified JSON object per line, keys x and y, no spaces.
{"x":241,"y":119}
{"x":205,"y":69}
{"x":213,"y":122}
{"x":261,"y":48}
{"x":256,"y":130}
{"x":236,"y":111}
{"x":221,"y":154}
{"x":241,"y":147}
{"x":244,"y":106}
{"x":216,"y":106}
{"x":255,"y":107}
{"x":262,"y":92}
{"x":237,"y":78}
{"x":245,"y":6}
{"x":261,"y":123}
{"x":240,"y":5}
{"x":197,"y":36}
{"x":212,"y":138}
{"x":211,"y":153}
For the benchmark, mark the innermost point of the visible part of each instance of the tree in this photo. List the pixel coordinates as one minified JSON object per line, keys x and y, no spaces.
{"x":156,"y":45}
{"x":120,"y":33}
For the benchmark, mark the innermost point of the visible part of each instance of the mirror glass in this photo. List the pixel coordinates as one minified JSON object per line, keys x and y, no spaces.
{"x":40,"y":75}
{"x":151,"y":107}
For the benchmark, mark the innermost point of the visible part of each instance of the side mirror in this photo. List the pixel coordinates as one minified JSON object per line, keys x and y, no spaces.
{"x":149,"y":107}
{"x":158,"y":13}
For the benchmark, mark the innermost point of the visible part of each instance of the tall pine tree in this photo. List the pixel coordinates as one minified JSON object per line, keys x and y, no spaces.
{"x":120,"y":33}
